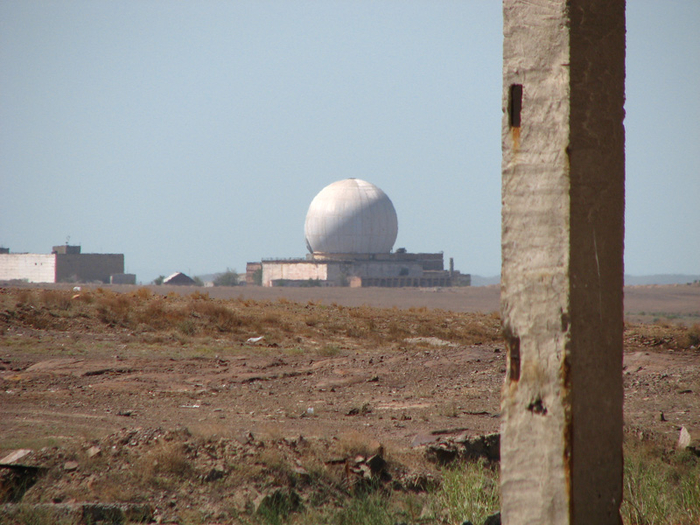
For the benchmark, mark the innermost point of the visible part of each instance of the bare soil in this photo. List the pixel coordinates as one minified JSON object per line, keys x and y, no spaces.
{"x":398,"y":368}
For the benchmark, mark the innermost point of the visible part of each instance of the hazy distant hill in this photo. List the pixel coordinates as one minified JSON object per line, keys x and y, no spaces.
{"x":639,"y":280}
{"x":630,"y":280}
{"x":479,"y":280}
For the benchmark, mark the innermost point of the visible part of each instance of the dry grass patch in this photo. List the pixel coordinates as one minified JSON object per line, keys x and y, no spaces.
{"x":661,"y":485}
{"x":186,"y":319}
{"x":662,"y":335}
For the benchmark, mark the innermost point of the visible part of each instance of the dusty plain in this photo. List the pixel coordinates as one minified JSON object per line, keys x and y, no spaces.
{"x":77,"y":380}
{"x":395,"y":367}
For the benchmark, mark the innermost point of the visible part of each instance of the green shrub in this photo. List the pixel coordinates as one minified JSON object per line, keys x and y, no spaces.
{"x":228,"y":278}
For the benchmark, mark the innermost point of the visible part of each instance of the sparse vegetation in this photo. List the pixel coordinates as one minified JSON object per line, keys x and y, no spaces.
{"x":149,"y":314}
{"x":200,"y":476}
{"x":297,"y":481}
{"x":468,"y":492}
{"x":693,"y":336}
{"x":661,"y":485}
{"x":227,"y":278}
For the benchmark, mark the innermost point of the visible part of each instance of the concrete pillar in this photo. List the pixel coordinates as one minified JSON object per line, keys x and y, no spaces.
{"x":562,"y":268}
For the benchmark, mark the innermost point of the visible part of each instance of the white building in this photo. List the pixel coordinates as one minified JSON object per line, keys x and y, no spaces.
{"x":64,"y":264}
{"x":350,"y":231}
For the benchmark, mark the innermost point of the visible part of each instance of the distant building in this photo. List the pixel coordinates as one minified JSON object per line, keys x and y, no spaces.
{"x":122,"y":278}
{"x":252,"y":270}
{"x":350,"y":230}
{"x":179,"y":278}
{"x":64,"y":264}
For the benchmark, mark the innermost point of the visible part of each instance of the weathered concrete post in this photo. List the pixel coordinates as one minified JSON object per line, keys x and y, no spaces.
{"x":562,"y":273}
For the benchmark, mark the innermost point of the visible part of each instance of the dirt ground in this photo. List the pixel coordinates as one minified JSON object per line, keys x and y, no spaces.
{"x":400,"y":368}
{"x":68,"y":384}
{"x":394,"y":397}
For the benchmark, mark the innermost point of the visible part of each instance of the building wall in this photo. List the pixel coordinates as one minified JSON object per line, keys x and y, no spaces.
{"x":296,"y":271}
{"x":386,"y":269}
{"x":34,"y":267}
{"x":87,"y":267}
{"x":122,"y":278}
{"x":390,"y":273}
{"x":250,"y":269}
{"x":428,"y":261}
{"x":66,"y":249}
{"x":427,"y":281}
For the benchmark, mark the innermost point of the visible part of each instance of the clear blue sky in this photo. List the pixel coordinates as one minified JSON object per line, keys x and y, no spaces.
{"x":192,"y":136}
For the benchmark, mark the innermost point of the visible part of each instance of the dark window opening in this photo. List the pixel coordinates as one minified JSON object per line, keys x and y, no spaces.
{"x":513,"y":346}
{"x":515,"y":105}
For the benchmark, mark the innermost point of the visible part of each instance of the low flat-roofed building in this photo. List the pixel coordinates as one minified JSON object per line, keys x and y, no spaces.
{"x":391,"y":270}
{"x":64,"y":264}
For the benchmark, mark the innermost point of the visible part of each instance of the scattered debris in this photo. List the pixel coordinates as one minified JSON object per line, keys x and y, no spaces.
{"x":360,"y":411}
{"x":14,"y":457}
{"x":432,"y":341}
{"x":70,"y":466}
{"x":217,"y":472}
{"x":686,"y":442}
{"x":83,"y":513}
{"x":178,"y":455}
{"x":463,"y":448}
{"x":361,"y":469}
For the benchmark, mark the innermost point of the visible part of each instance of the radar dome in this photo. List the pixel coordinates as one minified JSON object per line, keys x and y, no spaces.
{"x":351,"y":216}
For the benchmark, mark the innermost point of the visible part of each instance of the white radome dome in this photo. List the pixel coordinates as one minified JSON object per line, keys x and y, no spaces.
{"x":351,"y":216}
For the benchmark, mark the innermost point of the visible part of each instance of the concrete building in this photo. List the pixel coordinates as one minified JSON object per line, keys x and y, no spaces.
{"x":122,"y":278}
{"x":64,"y":264}
{"x":253,"y":273}
{"x":350,"y":229}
